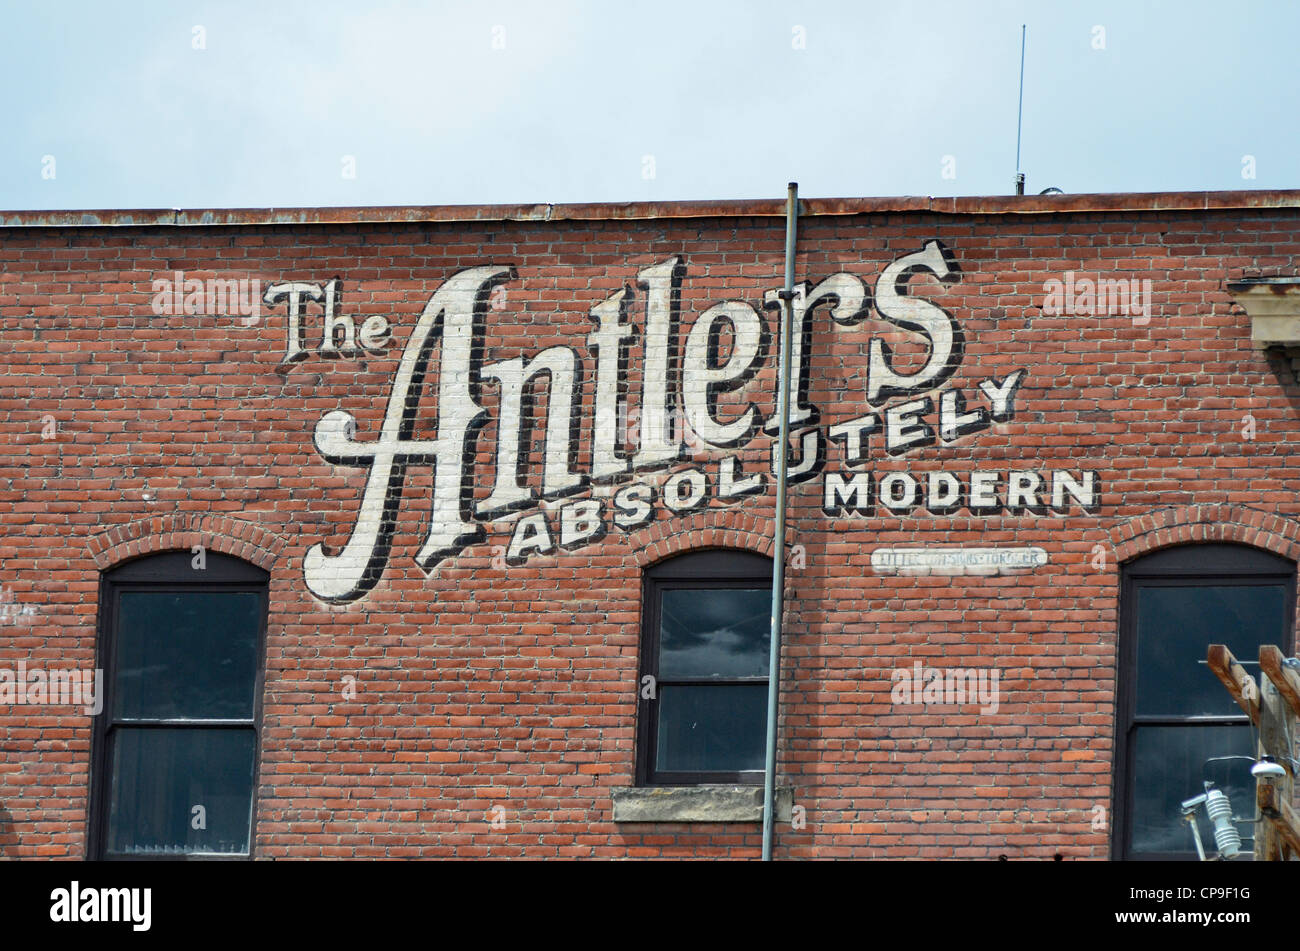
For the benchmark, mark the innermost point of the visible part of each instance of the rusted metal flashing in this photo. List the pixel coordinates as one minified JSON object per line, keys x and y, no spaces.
{"x":628,"y":211}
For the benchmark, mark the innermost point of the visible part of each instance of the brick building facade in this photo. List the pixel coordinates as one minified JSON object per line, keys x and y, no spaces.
{"x":447,"y":529}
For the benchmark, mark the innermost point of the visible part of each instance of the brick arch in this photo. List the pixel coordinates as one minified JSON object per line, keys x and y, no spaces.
{"x":183,"y":530}
{"x":712,"y":529}
{"x":1206,"y":523}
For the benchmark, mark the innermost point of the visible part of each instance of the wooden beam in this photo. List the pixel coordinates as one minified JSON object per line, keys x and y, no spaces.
{"x":1276,"y":739}
{"x":1278,"y":811}
{"x":1240,"y":684}
{"x":1285,"y":679}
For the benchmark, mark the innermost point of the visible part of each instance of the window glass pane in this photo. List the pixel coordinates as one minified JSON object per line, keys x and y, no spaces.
{"x":710,"y":728}
{"x":714,"y":632}
{"x":160,"y":775}
{"x":1170,"y":768}
{"x":186,"y":654}
{"x":1177,"y":623}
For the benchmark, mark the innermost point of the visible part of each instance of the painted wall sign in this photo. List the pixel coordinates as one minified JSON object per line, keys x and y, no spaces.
{"x":955,"y":561}
{"x":682,"y":377}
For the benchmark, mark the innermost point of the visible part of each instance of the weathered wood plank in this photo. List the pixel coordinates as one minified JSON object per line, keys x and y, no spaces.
{"x":1240,"y":684}
{"x":1276,"y":739}
{"x":1278,"y":811}
{"x":1285,"y":679}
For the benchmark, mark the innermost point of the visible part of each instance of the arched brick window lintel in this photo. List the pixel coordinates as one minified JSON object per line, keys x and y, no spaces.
{"x":182,"y":531}
{"x":663,"y":540}
{"x":1192,"y":524}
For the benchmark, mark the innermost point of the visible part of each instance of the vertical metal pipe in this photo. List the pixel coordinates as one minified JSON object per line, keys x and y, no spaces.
{"x":1020,"y":114}
{"x":1020,"y":104}
{"x":778,"y":549}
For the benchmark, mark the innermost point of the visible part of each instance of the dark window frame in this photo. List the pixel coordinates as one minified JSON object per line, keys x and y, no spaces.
{"x":1185,"y":565}
{"x":170,"y":571}
{"x":702,"y":569}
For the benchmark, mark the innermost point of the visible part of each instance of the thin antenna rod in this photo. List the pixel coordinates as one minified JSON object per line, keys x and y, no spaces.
{"x":1020,"y":114}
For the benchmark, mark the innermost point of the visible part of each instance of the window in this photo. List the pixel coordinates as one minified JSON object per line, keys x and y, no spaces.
{"x":176,"y":744}
{"x":706,"y":627}
{"x":1172,"y":713}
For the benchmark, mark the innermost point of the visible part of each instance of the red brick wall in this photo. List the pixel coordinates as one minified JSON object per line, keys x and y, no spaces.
{"x":483,"y":685}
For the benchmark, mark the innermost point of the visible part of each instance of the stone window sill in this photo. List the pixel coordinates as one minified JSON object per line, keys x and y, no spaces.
{"x":697,"y":803}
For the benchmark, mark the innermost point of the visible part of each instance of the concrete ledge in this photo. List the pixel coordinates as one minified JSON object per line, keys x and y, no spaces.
{"x":697,"y":803}
{"x":1273,"y":304}
{"x":1246,"y":199}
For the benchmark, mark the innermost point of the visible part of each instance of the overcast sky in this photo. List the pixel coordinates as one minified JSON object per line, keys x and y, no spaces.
{"x":269,"y":103}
